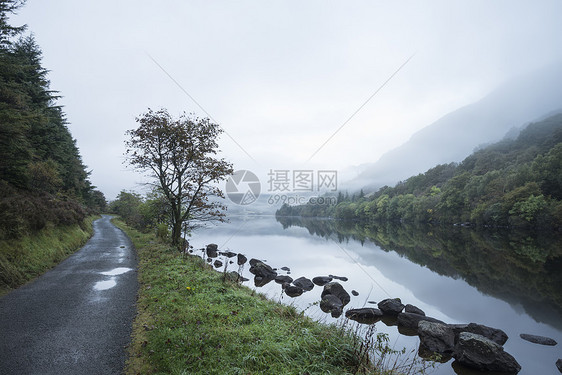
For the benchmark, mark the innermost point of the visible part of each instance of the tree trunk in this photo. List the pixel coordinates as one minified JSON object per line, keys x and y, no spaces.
{"x":176,"y":232}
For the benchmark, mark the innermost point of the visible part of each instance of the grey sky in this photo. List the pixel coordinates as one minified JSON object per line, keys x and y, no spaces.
{"x":281,"y":76}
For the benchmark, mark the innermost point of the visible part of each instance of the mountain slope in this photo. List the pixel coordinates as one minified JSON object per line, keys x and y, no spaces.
{"x":514,"y":182}
{"x":457,"y":134}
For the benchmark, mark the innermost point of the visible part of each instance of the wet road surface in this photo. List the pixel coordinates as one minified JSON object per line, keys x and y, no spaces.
{"x":77,"y":317}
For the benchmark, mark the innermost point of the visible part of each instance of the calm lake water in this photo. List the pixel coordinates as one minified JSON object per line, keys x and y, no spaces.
{"x":505,"y":280}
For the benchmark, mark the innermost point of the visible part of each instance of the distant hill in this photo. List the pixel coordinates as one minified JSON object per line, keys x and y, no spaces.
{"x":457,"y":134}
{"x":514,"y":182}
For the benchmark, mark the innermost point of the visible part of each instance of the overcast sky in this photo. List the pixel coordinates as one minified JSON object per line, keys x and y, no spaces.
{"x":281,"y":76}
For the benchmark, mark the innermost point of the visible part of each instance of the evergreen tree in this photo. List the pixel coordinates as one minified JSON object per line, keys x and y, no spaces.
{"x":42,"y":177}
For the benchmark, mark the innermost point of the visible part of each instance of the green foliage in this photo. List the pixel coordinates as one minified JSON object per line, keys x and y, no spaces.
{"x":162,"y":232}
{"x":42,"y":176}
{"x":29,"y":256}
{"x":180,"y":155}
{"x":511,"y":183}
{"x":24,"y":213}
{"x":529,"y":208}
{"x":142,"y":213}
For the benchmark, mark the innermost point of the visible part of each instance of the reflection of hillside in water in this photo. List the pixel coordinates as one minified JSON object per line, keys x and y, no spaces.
{"x":519,"y":268}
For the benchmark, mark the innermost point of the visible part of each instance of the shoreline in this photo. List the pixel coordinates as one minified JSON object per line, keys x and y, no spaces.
{"x":191,"y":320}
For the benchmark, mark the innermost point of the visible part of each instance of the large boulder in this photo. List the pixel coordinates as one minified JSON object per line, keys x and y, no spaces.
{"x":304,"y":283}
{"x":366,"y":315}
{"x":253,"y":261}
{"x":390,"y":320}
{"x":337,"y":290}
{"x":413,"y":309}
{"x":282,"y":279}
{"x":541,"y":340}
{"x":217,"y":263}
{"x":331,"y":304}
{"x":436,"y":337}
{"x":411,"y":320}
{"x":261,"y":269}
{"x":212,"y":250}
{"x":496,"y":335}
{"x":478,"y":352}
{"x":391,"y":306}
{"x":260,"y":281}
{"x":293,"y":291}
{"x":321,"y":280}
{"x":241,"y":259}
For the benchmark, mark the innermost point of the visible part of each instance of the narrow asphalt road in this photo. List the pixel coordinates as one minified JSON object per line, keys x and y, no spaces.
{"x":76,"y":318}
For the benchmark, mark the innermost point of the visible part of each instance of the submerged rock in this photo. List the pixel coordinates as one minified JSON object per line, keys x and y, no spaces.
{"x":429,"y":355}
{"x":541,"y":340}
{"x":285,"y":268}
{"x":321,"y":280}
{"x":228,"y":254}
{"x":241,"y":259}
{"x":391,"y":306}
{"x":304,"y":283}
{"x":436,"y":337}
{"x":496,"y":335}
{"x":559,"y":364}
{"x":366,"y":315}
{"x":476,"y":351}
{"x":217,"y":264}
{"x":332,"y":305}
{"x":212,"y":250}
{"x":413,"y":309}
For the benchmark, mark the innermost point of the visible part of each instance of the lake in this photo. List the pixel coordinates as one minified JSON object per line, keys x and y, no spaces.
{"x":507,"y":280}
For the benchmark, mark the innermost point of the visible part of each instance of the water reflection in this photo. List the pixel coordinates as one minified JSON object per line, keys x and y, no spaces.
{"x":105,"y":284}
{"x":116,"y":271}
{"x":519,"y":267}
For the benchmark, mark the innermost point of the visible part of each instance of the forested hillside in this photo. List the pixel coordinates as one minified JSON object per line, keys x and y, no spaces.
{"x":42,"y":177}
{"x":514,"y":182}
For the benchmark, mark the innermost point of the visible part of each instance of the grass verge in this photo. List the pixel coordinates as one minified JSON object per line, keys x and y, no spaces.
{"x":24,"y":259}
{"x":191,"y":321}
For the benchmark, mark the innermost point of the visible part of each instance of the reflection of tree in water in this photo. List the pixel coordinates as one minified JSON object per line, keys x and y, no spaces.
{"x":518,"y":267}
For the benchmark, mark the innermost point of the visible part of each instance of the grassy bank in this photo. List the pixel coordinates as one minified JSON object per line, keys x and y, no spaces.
{"x":192,"y":321}
{"x":24,"y":259}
